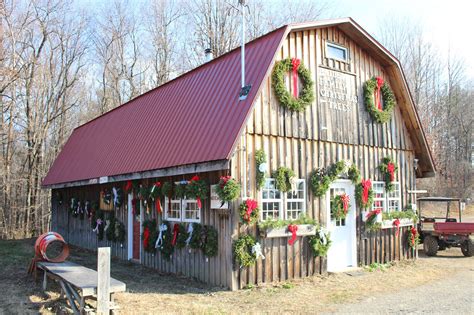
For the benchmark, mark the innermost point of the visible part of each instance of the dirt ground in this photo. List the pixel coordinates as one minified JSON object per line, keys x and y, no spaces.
{"x":149,"y":292}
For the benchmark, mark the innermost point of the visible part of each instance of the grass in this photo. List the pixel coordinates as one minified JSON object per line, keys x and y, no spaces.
{"x":149,"y":291}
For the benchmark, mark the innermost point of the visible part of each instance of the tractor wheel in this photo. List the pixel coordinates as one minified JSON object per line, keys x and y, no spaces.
{"x":430,"y":245}
{"x":467,"y":248}
{"x":442,"y":245}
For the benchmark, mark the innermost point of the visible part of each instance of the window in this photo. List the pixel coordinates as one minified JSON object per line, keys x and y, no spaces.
{"x":379,"y":196}
{"x":182,"y":210}
{"x":388,"y":202}
{"x":393,"y":198}
{"x":334,"y":51}
{"x":273,"y":201}
{"x":295,"y":201}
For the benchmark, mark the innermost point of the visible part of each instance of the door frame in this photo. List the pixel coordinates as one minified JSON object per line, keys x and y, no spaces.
{"x":352,"y":216}
{"x":130,"y":227}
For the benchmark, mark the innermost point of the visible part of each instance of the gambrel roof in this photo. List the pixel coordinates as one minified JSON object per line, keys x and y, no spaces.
{"x":198,"y":117}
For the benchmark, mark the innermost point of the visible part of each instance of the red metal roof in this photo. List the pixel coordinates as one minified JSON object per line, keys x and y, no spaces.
{"x":194,"y":118}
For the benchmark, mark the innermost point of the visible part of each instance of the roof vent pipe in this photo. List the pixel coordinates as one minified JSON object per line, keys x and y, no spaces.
{"x":208,"y":53}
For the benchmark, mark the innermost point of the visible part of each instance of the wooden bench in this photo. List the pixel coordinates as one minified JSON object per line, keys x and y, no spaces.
{"x":77,"y":283}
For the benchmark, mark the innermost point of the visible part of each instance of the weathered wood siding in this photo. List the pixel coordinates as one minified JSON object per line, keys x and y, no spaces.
{"x":296,"y":140}
{"x":191,"y":263}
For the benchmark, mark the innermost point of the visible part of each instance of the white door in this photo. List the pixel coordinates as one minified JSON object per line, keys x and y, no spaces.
{"x":342,"y":253}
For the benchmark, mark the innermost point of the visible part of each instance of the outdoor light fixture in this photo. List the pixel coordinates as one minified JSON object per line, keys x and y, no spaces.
{"x":415,"y":164}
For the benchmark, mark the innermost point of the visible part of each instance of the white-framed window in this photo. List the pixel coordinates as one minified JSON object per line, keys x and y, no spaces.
{"x":271,"y":201}
{"x":182,"y":210}
{"x":386,"y":201}
{"x":394,"y":202}
{"x":335,"y":51}
{"x":379,"y":196}
{"x":278,"y":205}
{"x":296,"y":201}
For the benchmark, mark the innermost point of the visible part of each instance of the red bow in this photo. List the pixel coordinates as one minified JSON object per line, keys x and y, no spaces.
{"x":175,"y":234}
{"x":292,"y":228}
{"x":380,"y":82}
{"x":146,"y":236}
{"x":345,"y":202}
{"x":195,"y":178}
{"x":366,"y":185}
{"x":251,"y":206}
{"x":413,"y":236}
{"x":397,"y":224}
{"x":295,"y":63}
{"x":199,"y":203}
{"x":224,"y":180}
{"x":391,"y":170}
{"x":373,"y":213}
{"x":128,"y":186}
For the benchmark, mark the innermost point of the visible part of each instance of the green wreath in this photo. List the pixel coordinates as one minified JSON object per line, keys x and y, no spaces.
{"x":321,"y":178}
{"x":197,"y":188}
{"x":283,"y":177}
{"x":389,"y":168}
{"x":337,"y":207}
{"x":380,"y":116}
{"x":228,"y":189}
{"x":306,"y":95}
{"x":210,"y":241}
{"x":320,"y":243}
{"x":243,"y":255}
{"x":254,"y":214}
{"x":359,"y":191}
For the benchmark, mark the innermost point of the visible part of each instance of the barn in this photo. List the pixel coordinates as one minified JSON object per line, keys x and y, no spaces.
{"x":310,"y":169}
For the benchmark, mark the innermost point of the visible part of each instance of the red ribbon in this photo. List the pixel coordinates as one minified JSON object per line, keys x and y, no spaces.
{"x":413,"y":236}
{"x":199,"y":203}
{"x":175,"y":234}
{"x":158,"y":205}
{"x":380,"y":82}
{"x":373,"y":213}
{"x":345,"y":202}
{"x":391,"y":170}
{"x":295,"y":63}
{"x":251,"y":206}
{"x":146,"y":237}
{"x":128,"y":186}
{"x":292,"y":228}
{"x":397,"y":224}
{"x":366,"y":185}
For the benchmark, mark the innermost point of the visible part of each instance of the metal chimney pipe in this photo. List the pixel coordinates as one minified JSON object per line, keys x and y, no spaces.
{"x":208,"y":53}
{"x":242,"y":3}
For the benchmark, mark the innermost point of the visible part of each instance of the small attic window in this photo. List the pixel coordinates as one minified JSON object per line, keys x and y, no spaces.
{"x":335,"y":51}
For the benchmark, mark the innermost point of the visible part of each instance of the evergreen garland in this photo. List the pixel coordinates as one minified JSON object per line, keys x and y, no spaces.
{"x":306,"y":95}
{"x":283,"y":178}
{"x":260,"y":158}
{"x":166,"y":189}
{"x":380,"y":116}
{"x":197,"y":188}
{"x":242,"y":249}
{"x":321,"y":178}
{"x":180,"y":189}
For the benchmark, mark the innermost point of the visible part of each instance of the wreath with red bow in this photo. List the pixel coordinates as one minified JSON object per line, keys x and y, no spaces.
{"x":364,"y":194}
{"x":340,"y":206}
{"x":249,"y":211}
{"x":376,"y":90}
{"x":388,"y":168}
{"x":300,"y":99}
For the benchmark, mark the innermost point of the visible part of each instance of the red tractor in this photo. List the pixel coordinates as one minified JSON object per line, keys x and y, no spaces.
{"x":446,"y":230}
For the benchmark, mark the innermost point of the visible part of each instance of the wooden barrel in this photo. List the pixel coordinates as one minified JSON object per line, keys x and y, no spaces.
{"x":47,"y":239}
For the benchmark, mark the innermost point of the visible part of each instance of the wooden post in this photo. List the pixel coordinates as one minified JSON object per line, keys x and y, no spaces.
{"x":103,"y":281}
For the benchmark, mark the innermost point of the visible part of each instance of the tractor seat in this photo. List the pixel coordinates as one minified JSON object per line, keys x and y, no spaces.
{"x":428,"y":220}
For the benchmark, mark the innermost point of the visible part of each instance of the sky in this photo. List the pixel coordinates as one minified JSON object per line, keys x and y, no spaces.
{"x":449,"y":25}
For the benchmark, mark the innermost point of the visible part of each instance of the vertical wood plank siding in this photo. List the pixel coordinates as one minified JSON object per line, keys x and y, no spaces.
{"x":191,"y":263}
{"x":296,"y":141}
{"x":289,"y":139}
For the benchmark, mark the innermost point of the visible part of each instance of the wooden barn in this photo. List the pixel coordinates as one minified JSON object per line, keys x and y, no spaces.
{"x":198,"y":178}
